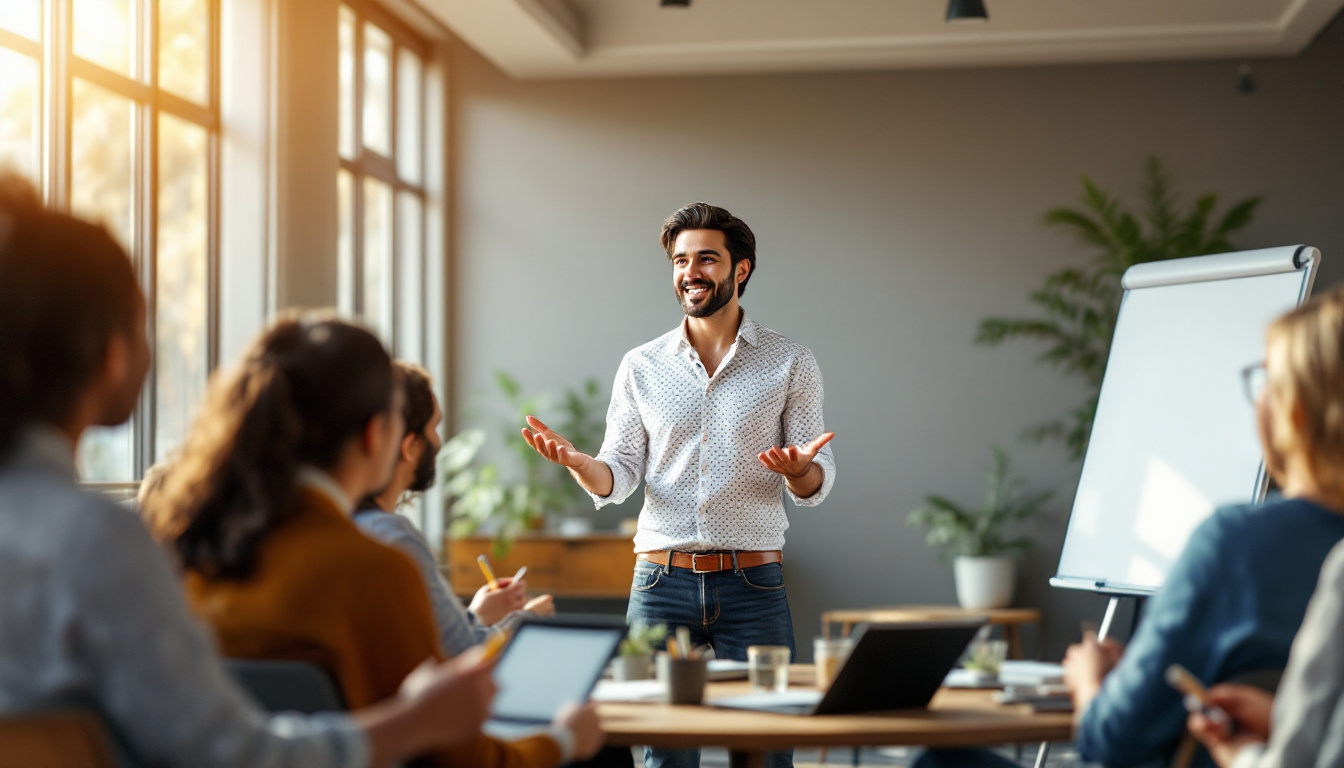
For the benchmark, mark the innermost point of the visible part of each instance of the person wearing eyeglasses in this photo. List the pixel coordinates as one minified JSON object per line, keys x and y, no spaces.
{"x":1239,"y":591}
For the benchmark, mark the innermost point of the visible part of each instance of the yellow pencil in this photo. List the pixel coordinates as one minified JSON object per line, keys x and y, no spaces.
{"x":495,"y":643}
{"x":484,"y":562}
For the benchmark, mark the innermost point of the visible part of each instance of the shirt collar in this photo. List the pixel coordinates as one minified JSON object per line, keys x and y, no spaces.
{"x":47,"y":445}
{"x":324,"y":484}
{"x":746,"y":330}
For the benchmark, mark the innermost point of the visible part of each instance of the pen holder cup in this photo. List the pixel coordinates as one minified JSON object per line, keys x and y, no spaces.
{"x":683,"y":679}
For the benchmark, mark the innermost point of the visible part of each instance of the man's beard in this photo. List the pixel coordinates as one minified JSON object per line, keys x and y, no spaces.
{"x":424,"y":471}
{"x":719,"y":296}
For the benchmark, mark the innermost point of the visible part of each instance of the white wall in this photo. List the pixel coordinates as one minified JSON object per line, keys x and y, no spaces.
{"x":893,"y":211}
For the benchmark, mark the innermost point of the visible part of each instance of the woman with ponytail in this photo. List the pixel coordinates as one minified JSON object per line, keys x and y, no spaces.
{"x":258,"y":508}
{"x":91,"y":615}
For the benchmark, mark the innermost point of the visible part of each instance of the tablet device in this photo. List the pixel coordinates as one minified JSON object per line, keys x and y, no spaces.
{"x":548,"y":663}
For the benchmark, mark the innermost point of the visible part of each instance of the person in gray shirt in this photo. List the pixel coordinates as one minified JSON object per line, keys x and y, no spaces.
{"x":459,"y":628}
{"x":91,"y":615}
{"x":1306,"y":728}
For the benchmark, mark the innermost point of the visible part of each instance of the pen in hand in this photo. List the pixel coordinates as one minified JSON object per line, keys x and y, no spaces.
{"x":1197,"y":698}
{"x":484,"y":562}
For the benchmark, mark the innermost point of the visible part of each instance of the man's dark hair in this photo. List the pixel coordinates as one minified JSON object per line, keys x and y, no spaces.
{"x":741,"y":242}
{"x":419,"y":402}
{"x":416,"y":410}
{"x":65,"y":288}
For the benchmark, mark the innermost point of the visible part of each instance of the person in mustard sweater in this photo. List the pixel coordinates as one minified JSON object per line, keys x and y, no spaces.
{"x":257,"y":507}
{"x":91,"y":613}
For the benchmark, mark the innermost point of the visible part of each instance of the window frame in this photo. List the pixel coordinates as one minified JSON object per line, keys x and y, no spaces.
{"x":59,"y":67}
{"x":370,"y":164}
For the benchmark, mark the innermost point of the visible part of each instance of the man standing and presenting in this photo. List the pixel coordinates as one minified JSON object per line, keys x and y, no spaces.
{"x":718,"y":416}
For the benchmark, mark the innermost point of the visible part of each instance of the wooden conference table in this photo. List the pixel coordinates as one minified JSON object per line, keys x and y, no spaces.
{"x":956,"y":718}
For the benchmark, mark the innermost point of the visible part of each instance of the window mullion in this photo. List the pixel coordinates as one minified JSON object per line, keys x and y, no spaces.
{"x":146,"y":238}
{"x":213,"y":182}
{"x":393,"y":274}
{"x":357,"y":181}
{"x":20,"y":44}
{"x":56,"y":104}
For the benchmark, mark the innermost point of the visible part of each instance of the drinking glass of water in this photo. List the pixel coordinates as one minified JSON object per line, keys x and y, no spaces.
{"x":768,"y":667}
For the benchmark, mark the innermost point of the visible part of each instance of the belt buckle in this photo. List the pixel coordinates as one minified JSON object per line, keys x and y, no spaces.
{"x":696,"y":568}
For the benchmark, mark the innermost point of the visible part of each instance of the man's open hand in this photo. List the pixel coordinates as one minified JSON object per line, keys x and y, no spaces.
{"x":793,"y":462}
{"x":550,"y":444}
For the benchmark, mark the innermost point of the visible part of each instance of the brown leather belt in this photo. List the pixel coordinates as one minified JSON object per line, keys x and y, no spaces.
{"x":709,"y":562}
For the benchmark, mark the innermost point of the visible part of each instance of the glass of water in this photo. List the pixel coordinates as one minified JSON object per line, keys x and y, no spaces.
{"x":768,"y":667}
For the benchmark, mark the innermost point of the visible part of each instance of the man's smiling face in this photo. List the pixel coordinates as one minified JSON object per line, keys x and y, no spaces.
{"x":703,"y":277}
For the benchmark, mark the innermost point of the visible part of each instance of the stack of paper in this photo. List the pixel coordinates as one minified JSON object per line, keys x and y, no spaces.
{"x":1031,"y":673}
{"x":726,"y":669}
{"x":629,"y":690}
{"x":1042,"y":698}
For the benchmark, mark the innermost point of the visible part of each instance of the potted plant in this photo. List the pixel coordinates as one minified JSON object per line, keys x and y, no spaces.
{"x":509,"y":503}
{"x":634,"y":658}
{"x":978,"y":540}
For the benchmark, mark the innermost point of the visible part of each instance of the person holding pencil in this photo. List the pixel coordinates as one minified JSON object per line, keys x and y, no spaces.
{"x":719,"y":417}
{"x":498,"y":605}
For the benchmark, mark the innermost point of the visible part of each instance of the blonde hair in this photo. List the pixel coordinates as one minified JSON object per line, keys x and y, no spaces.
{"x":1305,"y":370}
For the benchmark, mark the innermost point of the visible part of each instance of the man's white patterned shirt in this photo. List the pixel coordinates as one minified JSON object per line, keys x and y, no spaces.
{"x":694,"y":439}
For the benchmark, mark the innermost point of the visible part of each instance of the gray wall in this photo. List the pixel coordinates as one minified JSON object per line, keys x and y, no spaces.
{"x":893,"y":210}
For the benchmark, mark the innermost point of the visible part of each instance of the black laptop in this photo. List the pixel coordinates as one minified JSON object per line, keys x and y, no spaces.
{"x":548,"y":663}
{"x":892,"y":666}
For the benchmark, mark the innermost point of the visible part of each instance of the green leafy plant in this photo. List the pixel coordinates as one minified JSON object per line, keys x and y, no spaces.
{"x":982,"y":531}
{"x":641,"y":639}
{"x":1077,"y":306}
{"x":986,"y":657}
{"x":516,"y":498}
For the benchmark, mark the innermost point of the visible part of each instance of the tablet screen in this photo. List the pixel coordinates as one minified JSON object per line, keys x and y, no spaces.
{"x":546,"y":666}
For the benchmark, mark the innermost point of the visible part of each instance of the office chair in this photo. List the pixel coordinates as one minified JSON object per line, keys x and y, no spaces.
{"x":287,"y":686}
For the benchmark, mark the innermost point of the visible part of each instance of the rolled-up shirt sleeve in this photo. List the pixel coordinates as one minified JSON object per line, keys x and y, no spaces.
{"x":626,"y":444}
{"x":803,"y":422}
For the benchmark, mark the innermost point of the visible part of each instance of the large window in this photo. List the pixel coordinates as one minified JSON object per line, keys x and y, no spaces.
{"x":112,"y":108}
{"x":382,"y":181}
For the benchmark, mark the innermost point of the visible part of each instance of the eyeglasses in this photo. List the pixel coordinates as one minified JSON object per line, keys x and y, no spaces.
{"x":1253,"y":378}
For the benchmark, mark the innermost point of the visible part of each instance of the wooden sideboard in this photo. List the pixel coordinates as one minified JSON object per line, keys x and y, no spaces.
{"x":595,"y":565}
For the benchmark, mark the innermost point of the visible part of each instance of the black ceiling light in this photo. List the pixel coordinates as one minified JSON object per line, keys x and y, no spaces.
{"x":963,"y":11}
{"x":675,"y":3}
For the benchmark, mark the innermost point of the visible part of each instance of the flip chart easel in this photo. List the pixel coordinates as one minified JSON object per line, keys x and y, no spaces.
{"x":1174,"y":435}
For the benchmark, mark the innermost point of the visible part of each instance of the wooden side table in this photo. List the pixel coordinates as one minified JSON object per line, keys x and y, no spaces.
{"x":1010,"y":620}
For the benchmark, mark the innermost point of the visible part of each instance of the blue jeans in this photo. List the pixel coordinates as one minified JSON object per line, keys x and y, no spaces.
{"x":726,"y":610}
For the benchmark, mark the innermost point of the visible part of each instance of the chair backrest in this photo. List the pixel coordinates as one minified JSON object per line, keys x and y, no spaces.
{"x":67,"y":739}
{"x":287,"y":686}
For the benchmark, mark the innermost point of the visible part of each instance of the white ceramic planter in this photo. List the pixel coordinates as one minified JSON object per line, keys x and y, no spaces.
{"x":984,"y":582}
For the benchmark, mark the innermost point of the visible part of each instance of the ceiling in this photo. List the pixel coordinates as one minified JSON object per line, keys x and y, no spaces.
{"x":634,"y":38}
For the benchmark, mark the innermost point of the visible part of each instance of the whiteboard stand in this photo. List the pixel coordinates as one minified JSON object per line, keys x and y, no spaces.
{"x":1105,"y":629}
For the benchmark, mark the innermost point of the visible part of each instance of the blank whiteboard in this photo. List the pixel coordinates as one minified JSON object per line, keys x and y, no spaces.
{"x":1174,"y":436}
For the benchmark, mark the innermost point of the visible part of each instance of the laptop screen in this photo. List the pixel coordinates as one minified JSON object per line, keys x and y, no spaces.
{"x":546,"y":665}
